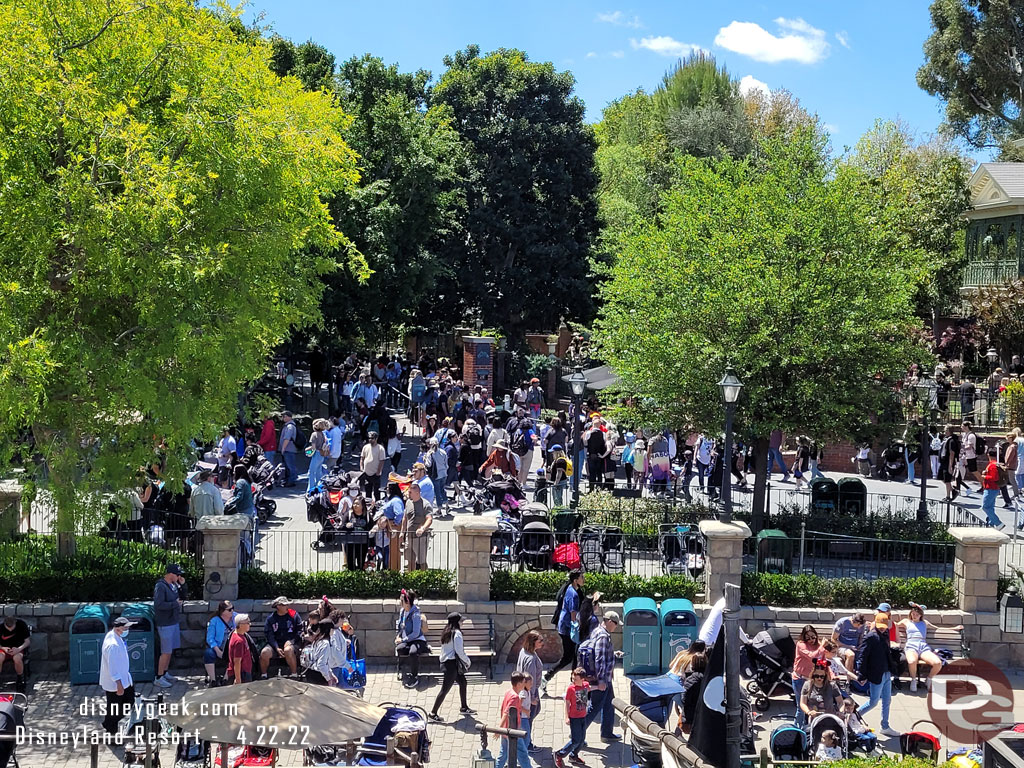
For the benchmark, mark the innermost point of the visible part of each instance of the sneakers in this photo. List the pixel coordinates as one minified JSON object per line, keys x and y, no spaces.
{"x":890,"y":732}
{"x":543,"y":686}
{"x":410,"y":681}
{"x":169,"y":676}
{"x":612,"y":737}
{"x":559,"y":761}
{"x":576,"y":760}
{"x":466,"y":711}
{"x":162,"y":682}
{"x":913,"y":685}
{"x":434,"y":717}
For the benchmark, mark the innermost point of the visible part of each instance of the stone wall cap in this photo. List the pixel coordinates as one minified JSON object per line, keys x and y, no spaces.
{"x":476,"y":524}
{"x":223,"y":523}
{"x":715,"y":529}
{"x":477,"y":339}
{"x":984,"y":536}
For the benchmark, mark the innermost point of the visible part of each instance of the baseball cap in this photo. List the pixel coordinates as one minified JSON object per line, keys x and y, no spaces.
{"x":557,"y":448}
{"x":884,"y":608}
{"x":175,"y":569}
{"x":123,"y":621}
{"x":282,"y":600}
{"x":612,"y":616}
{"x":881,"y":620}
{"x":420,"y":466}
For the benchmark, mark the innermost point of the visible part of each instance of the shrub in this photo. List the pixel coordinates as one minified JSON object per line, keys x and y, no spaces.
{"x":100,"y":570}
{"x":513,"y":585}
{"x":886,"y":761}
{"x":799,"y":590}
{"x":255,"y":584}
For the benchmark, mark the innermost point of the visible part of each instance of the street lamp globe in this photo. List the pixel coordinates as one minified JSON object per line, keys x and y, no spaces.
{"x":578,"y":382}
{"x":992,"y":356}
{"x":730,"y":386}
{"x":925,"y":387}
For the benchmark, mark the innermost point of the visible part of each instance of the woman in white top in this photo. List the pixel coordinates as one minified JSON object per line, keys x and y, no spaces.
{"x":530,"y":663}
{"x":317,"y":656}
{"x":916,"y":627}
{"x":455,"y":663}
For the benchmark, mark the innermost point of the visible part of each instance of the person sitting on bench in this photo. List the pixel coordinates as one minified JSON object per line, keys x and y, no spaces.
{"x":15,"y":638}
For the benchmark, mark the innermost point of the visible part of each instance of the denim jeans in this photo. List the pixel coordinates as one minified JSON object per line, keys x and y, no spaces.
{"x":815,"y":472}
{"x":270,"y":456}
{"x":798,"y":685}
{"x":883,"y":691}
{"x":910,"y":465}
{"x":558,"y":493}
{"x":608,"y":712}
{"x":522,"y":756}
{"x":440,"y":493}
{"x":598,"y":699}
{"x":316,"y":471}
{"x":988,"y":505}
{"x":290,"y":472}
{"x":577,"y":733}
{"x":775,"y":458}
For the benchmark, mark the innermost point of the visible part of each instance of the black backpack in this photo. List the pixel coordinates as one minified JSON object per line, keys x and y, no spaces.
{"x":300,"y":438}
{"x":558,"y":604}
{"x":519,"y":446}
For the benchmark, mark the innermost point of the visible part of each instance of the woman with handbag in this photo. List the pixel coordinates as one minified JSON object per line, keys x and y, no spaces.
{"x":455,"y":662}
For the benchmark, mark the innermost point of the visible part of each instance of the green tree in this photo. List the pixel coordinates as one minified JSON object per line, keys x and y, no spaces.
{"x":973,"y":63}
{"x":523,"y":260}
{"x":776,"y":265}
{"x":310,"y":62}
{"x":159,"y":182}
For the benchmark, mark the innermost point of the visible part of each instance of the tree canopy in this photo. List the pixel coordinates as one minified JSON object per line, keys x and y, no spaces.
{"x":161,"y":185}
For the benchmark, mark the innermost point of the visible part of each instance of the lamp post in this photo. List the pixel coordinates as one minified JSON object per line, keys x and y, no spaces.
{"x":993,"y":358}
{"x":578,"y":384}
{"x":925,"y":393}
{"x":731,"y":388}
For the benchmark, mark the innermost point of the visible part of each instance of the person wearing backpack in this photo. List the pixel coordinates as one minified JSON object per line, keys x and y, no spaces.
{"x":566,"y":614}
{"x":436,"y":462}
{"x":535,"y":398}
{"x":288,"y":448}
{"x":596,"y":656}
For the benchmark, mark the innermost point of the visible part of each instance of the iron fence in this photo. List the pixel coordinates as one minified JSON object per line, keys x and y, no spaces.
{"x":835,"y":556}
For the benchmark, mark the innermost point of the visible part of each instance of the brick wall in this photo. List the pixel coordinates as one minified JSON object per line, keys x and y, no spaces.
{"x":478,"y":362}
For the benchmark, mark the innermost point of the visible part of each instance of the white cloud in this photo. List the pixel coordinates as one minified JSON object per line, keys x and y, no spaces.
{"x":617,"y":54}
{"x":797,"y":41}
{"x":843,"y":38}
{"x":831,"y":127}
{"x":619,"y":19}
{"x":591,"y":55}
{"x":749,"y":84}
{"x":665,"y":46}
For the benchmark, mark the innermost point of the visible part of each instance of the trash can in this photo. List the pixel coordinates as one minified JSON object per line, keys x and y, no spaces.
{"x":88,"y":628}
{"x":678,"y":629}
{"x":853,"y":496}
{"x":824,"y":496}
{"x":141,"y":642}
{"x":641,"y":637}
{"x":774,"y":552}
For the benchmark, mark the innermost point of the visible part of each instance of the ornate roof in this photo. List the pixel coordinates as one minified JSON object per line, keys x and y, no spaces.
{"x":997,"y":189}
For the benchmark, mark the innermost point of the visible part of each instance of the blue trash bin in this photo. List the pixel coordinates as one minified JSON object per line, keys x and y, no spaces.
{"x":678,"y":629}
{"x":141,"y":642}
{"x":89,"y":626}
{"x":641,"y":637}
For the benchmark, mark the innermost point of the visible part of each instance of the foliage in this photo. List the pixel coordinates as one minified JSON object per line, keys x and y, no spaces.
{"x":512,"y":585}
{"x":311,"y":63}
{"x":538,"y":365}
{"x":920,"y":192}
{"x":697,"y":80}
{"x":257,"y":584}
{"x":640,"y":517}
{"x":778,"y":115}
{"x":806,"y":590}
{"x":1014,"y":395}
{"x":522,"y":261}
{"x":100,"y":569}
{"x":999,"y":310}
{"x":777,"y":265}
{"x":259,"y":406}
{"x":887,"y":761}
{"x":159,"y":182}
{"x":972,"y":63}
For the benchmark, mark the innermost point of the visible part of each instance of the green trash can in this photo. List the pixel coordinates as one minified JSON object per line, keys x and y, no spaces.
{"x":641,"y":637}
{"x":88,"y":628}
{"x":141,"y":642}
{"x":824,"y":497}
{"x":853,"y":496}
{"x":774,"y":551}
{"x":678,"y":629}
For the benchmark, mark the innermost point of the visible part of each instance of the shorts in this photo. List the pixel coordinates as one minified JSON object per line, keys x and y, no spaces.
{"x":170,"y":638}
{"x":416,"y":548}
{"x":918,"y":647}
{"x":971,"y":464}
{"x":209,"y":656}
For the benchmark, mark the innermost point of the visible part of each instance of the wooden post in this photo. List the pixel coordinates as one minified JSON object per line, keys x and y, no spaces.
{"x":223,"y":755}
{"x":389,"y":750}
{"x":350,"y":751}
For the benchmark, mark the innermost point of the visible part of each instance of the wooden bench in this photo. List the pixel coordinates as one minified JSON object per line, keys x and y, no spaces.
{"x":477,"y":640}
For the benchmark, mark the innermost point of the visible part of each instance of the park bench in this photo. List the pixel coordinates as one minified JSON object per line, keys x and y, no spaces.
{"x":477,"y":640}
{"x":845,"y":548}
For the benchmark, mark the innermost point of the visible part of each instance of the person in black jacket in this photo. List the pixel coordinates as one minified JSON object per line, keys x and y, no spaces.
{"x":872,"y":664}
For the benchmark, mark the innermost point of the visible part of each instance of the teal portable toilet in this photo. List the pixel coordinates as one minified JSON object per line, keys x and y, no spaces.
{"x":88,"y":628}
{"x":141,"y":642}
{"x":641,"y":637}
{"x":678,"y":629}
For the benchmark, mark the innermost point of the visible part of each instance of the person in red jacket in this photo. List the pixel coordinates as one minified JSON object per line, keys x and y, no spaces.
{"x":990,"y":484}
{"x":268,"y":439}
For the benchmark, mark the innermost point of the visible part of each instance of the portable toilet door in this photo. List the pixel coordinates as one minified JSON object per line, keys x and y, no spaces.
{"x":88,"y":628}
{"x":141,"y":642}
{"x":678,"y":629}
{"x":641,"y":637}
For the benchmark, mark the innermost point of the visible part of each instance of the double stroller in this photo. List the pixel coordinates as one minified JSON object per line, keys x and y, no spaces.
{"x":535,"y":546}
{"x":893,"y":464}
{"x":791,"y":742}
{"x":602,"y":549}
{"x":768,"y":663}
{"x":681,"y":548}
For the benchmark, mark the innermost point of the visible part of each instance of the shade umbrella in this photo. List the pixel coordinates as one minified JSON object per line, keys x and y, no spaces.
{"x":278,"y":712}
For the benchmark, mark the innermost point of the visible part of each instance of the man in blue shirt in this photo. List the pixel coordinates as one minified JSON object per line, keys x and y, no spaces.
{"x":420,"y":477}
{"x":568,"y":614}
{"x":847,"y":634}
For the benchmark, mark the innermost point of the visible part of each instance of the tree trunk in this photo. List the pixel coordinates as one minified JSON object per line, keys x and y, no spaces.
{"x":760,"y":484}
{"x":67,"y":545}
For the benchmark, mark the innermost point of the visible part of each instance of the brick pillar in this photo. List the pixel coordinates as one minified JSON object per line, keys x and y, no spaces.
{"x":550,"y":387}
{"x":723,"y":558}
{"x":478,"y":362}
{"x":976,"y":567}
{"x":473,"y":535}
{"x":221,"y":539}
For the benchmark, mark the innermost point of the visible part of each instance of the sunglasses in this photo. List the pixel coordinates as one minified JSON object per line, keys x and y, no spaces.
{"x":817,"y":677}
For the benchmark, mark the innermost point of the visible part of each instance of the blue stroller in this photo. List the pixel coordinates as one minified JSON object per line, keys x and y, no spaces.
{"x":407,"y":724}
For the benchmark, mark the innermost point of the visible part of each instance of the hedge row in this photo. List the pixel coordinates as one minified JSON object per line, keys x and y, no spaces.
{"x":808,"y":590}
{"x":101,"y":570}
{"x":513,"y":585}
{"x":259,"y":585}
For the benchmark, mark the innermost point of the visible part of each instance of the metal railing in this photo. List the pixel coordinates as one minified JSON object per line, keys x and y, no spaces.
{"x":309,"y":551}
{"x":835,"y":556}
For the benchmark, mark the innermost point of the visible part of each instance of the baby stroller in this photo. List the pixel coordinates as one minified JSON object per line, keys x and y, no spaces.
{"x":247,"y":757}
{"x":566,"y":525}
{"x":654,"y":697}
{"x":324,"y":500}
{"x":768,"y":661}
{"x":532,"y":512}
{"x":788,"y":742}
{"x":602,"y":549}
{"x":893,"y":465}
{"x":920,"y":744}
{"x":12,"y":716}
{"x":506,"y":494}
{"x":682,"y":550}
{"x":407,"y":724}
{"x":536,"y":546}
{"x":503,"y":545}
{"x":823,"y":723}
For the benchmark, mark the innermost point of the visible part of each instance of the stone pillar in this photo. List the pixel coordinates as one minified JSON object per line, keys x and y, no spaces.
{"x":473,"y":541}
{"x":221,"y":540}
{"x":478,"y":362}
{"x":723,"y":558}
{"x":976,"y":567}
{"x":13,"y":517}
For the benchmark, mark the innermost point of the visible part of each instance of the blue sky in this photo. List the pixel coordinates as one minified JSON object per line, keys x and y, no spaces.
{"x":849,"y":62}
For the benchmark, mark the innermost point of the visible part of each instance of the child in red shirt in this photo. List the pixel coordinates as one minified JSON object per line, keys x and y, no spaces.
{"x":990,"y":485}
{"x":577,"y":697}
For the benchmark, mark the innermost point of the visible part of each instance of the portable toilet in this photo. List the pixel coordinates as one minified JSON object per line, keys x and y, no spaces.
{"x":678,"y":629}
{"x":141,"y":642}
{"x":641,"y":637}
{"x":88,"y":628}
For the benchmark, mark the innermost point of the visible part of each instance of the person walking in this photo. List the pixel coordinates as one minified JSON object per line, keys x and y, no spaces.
{"x":167,"y":604}
{"x":317,"y":450}
{"x":288,"y":449}
{"x":604,"y":670}
{"x":872,"y":665}
{"x":455,"y":664}
{"x":530,"y":664}
{"x":568,"y":612}
{"x":335,"y":438}
{"x":115,"y":676}
{"x":991,"y":482}
{"x":775,"y":441}
{"x":371,"y":464}
{"x":511,"y":717}
{"x":577,"y":696}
